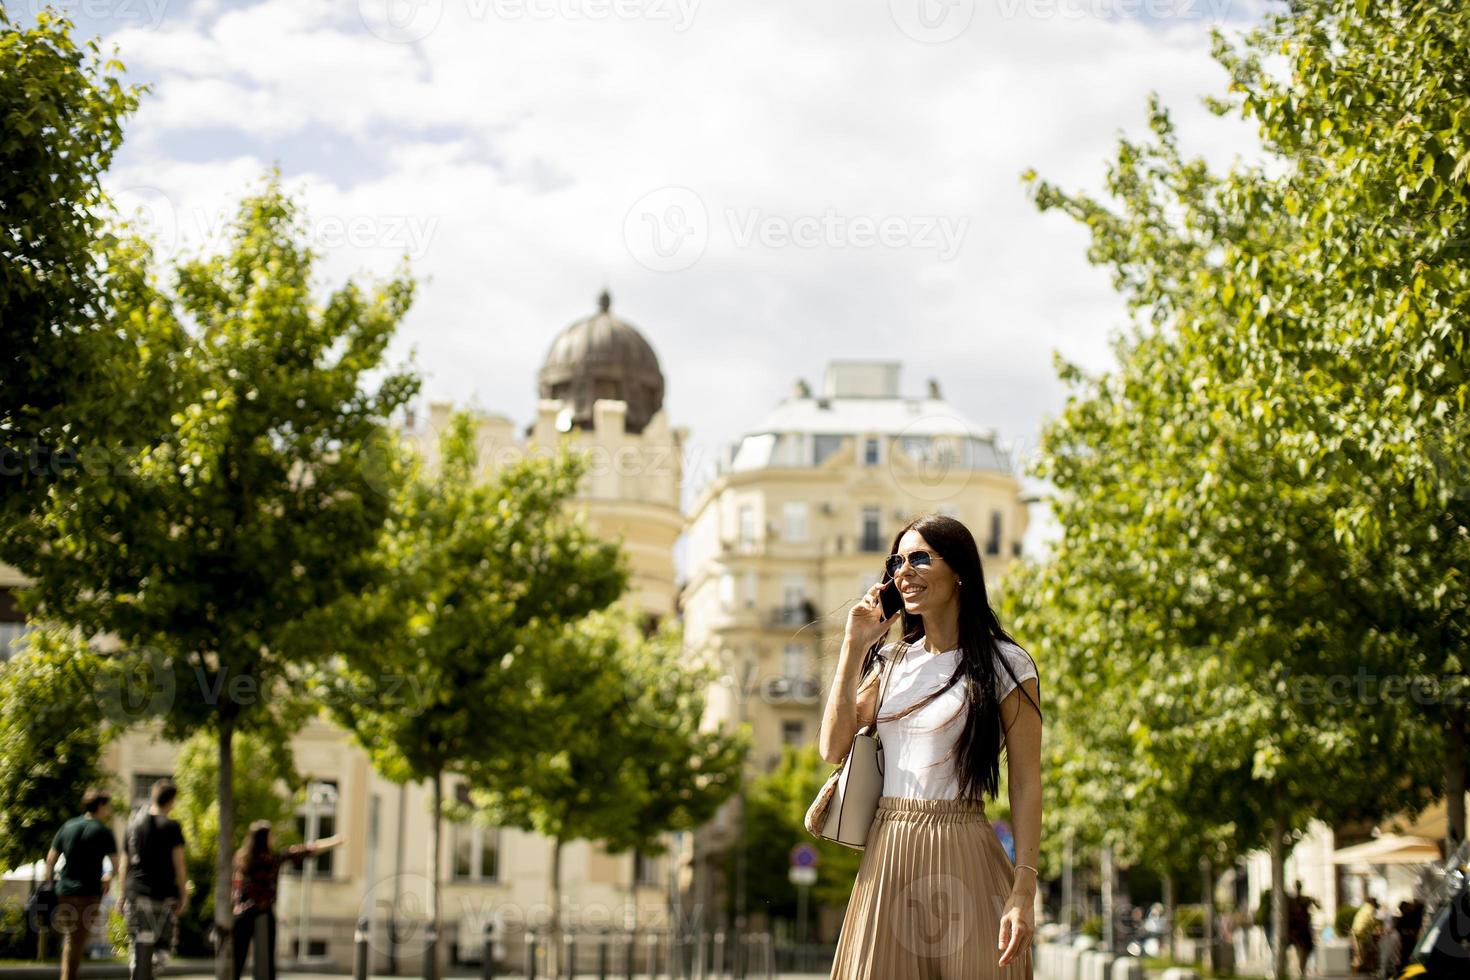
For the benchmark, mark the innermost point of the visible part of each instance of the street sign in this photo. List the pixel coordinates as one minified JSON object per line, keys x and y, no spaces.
{"x":803,"y":856}
{"x":803,"y":875}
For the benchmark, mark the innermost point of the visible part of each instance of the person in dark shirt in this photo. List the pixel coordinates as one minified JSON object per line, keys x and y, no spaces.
{"x":257,"y":873}
{"x":84,"y":841}
{"x":156,"y":883}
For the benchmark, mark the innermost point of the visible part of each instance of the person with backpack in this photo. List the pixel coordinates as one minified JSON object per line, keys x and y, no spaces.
{"x":156,"y":882}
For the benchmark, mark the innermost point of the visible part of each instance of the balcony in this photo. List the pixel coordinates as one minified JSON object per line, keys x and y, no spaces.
{"x":798,"y":615}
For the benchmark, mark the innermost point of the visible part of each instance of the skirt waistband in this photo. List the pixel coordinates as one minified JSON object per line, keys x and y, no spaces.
{"x":912,"y":807}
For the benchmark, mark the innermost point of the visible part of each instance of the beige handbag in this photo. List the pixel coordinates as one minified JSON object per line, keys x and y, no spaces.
{"x":844,"y":808}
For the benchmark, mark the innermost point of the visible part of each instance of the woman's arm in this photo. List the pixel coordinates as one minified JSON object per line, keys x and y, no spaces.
{"x":323,"y":844}
{"x":840,"y":721}
{"x":1023,"y":776}
{"x":866,"y":624}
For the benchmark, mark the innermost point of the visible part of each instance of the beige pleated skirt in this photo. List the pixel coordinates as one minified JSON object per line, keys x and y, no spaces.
{"x":929,"y":893}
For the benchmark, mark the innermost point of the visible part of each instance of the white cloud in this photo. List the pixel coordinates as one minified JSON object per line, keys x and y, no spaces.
{"x":509,"y":149}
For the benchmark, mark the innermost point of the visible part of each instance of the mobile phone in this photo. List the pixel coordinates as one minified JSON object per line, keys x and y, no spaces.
{"x":892,"y":600}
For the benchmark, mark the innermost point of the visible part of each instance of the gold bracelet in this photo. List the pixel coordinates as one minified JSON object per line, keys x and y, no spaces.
{"x":1038,"y":873}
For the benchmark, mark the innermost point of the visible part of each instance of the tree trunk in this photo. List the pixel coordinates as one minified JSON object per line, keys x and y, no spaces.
{"x":1279,"y":946}
{"x":224,"y":917}
{"x":1454,"y":782}
{"x":1207,"y":868}
{"x":553,"y":956}
{"x":1169,"y":946}
{"x":435,"y":870}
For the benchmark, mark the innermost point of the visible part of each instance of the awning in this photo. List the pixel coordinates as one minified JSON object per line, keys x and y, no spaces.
{"x":1389,"y":849}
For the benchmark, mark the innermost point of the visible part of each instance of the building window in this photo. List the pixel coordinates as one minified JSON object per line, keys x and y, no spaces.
{"x":794,"y":515}
{"x":13,"y":626}
{"x":751,"y":588}
{"x":793,"y":733}
{"x":142,"y":794}
{"x":747,"y":525}
{"x":645,"y":868}
{"x":992,"y":544}
{"x":793,"y":663}
{"x":916,"y":447}
{"x":870,"y":540}
{"x":326,"y":826}
{"x":727,"y":590}
{"x":823,"y":447}
{"x":870,"y":452}
{"x":476,"y":847}
{"x":793,"y":598}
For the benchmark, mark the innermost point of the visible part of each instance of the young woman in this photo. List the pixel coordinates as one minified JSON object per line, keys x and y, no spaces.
{"x":257,"y":874}
{"x":936,"y":895}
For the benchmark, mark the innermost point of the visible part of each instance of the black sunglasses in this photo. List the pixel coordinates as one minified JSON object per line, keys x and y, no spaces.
{"x":918,"y":559}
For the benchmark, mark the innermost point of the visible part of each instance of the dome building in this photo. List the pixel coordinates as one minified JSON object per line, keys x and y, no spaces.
{"x":600,"y":357}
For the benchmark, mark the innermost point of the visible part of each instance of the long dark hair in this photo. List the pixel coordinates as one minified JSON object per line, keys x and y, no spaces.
{"x":978,"y":748}
{"x":256,"y":846}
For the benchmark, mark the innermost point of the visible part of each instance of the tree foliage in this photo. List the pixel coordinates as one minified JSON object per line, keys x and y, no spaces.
{"x":479,"y":574}
{"x":208,"y":548}
{"x":1262,"y":505}
{"x":61,"y":113}
{"x":51,"y":740}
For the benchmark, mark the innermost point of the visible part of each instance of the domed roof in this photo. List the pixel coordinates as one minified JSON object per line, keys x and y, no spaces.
{"x":603,"y":357}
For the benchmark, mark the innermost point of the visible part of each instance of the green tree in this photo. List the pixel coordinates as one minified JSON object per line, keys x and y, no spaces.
{"x":620,"y":756}
{"x":264,"y":787}
{"x":51,"y":740}
{"x":479,"y":574}
{"x":61,"y":113}
{"x":775,"y":811}
{"x":1267,"y":475}
{"x":209,"y":551}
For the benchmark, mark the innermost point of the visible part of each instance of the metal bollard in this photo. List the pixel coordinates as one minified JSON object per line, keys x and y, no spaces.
{"x":487,"y":954}
{"x":431,"y":954}
{"x":720,"y":954}
{"x":628,"y":955}
{"x":570,"y":948}
{"x":531,"y":954}
{"x":360,"y":949}
{"x":265,"y":969}
{"x":143,"y":955}
{"x":602,"y":958}
{"x":652,"y":955}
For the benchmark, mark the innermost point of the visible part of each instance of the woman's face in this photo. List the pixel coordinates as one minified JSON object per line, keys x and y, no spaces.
{"x":924,"y":587}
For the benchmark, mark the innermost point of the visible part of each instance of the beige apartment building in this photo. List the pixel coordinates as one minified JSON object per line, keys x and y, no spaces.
{"x":794,"y":527}
{"x":601,"y":389}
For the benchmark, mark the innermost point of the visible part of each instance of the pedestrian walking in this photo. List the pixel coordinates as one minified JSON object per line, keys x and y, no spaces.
{"x":1391,"y":949}
{"x":85,"y":841}
{"x":1365,"y":931}
{"x":1299,"y":925}
{"x":936,"y":895}
{"x":155,"y":883}
{"x":257,"y":876}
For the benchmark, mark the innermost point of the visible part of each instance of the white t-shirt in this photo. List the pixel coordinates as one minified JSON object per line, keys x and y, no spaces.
{"x":914,"y":747}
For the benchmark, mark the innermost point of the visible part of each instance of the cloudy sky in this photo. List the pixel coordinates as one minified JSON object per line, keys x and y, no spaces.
{"x":762,"y":185}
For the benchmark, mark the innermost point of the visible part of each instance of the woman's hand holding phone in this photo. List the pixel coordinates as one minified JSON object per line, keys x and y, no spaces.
{"x":866,"y":620}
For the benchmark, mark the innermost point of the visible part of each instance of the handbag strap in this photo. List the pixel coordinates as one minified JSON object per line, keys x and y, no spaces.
{"x":883,"y":683}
